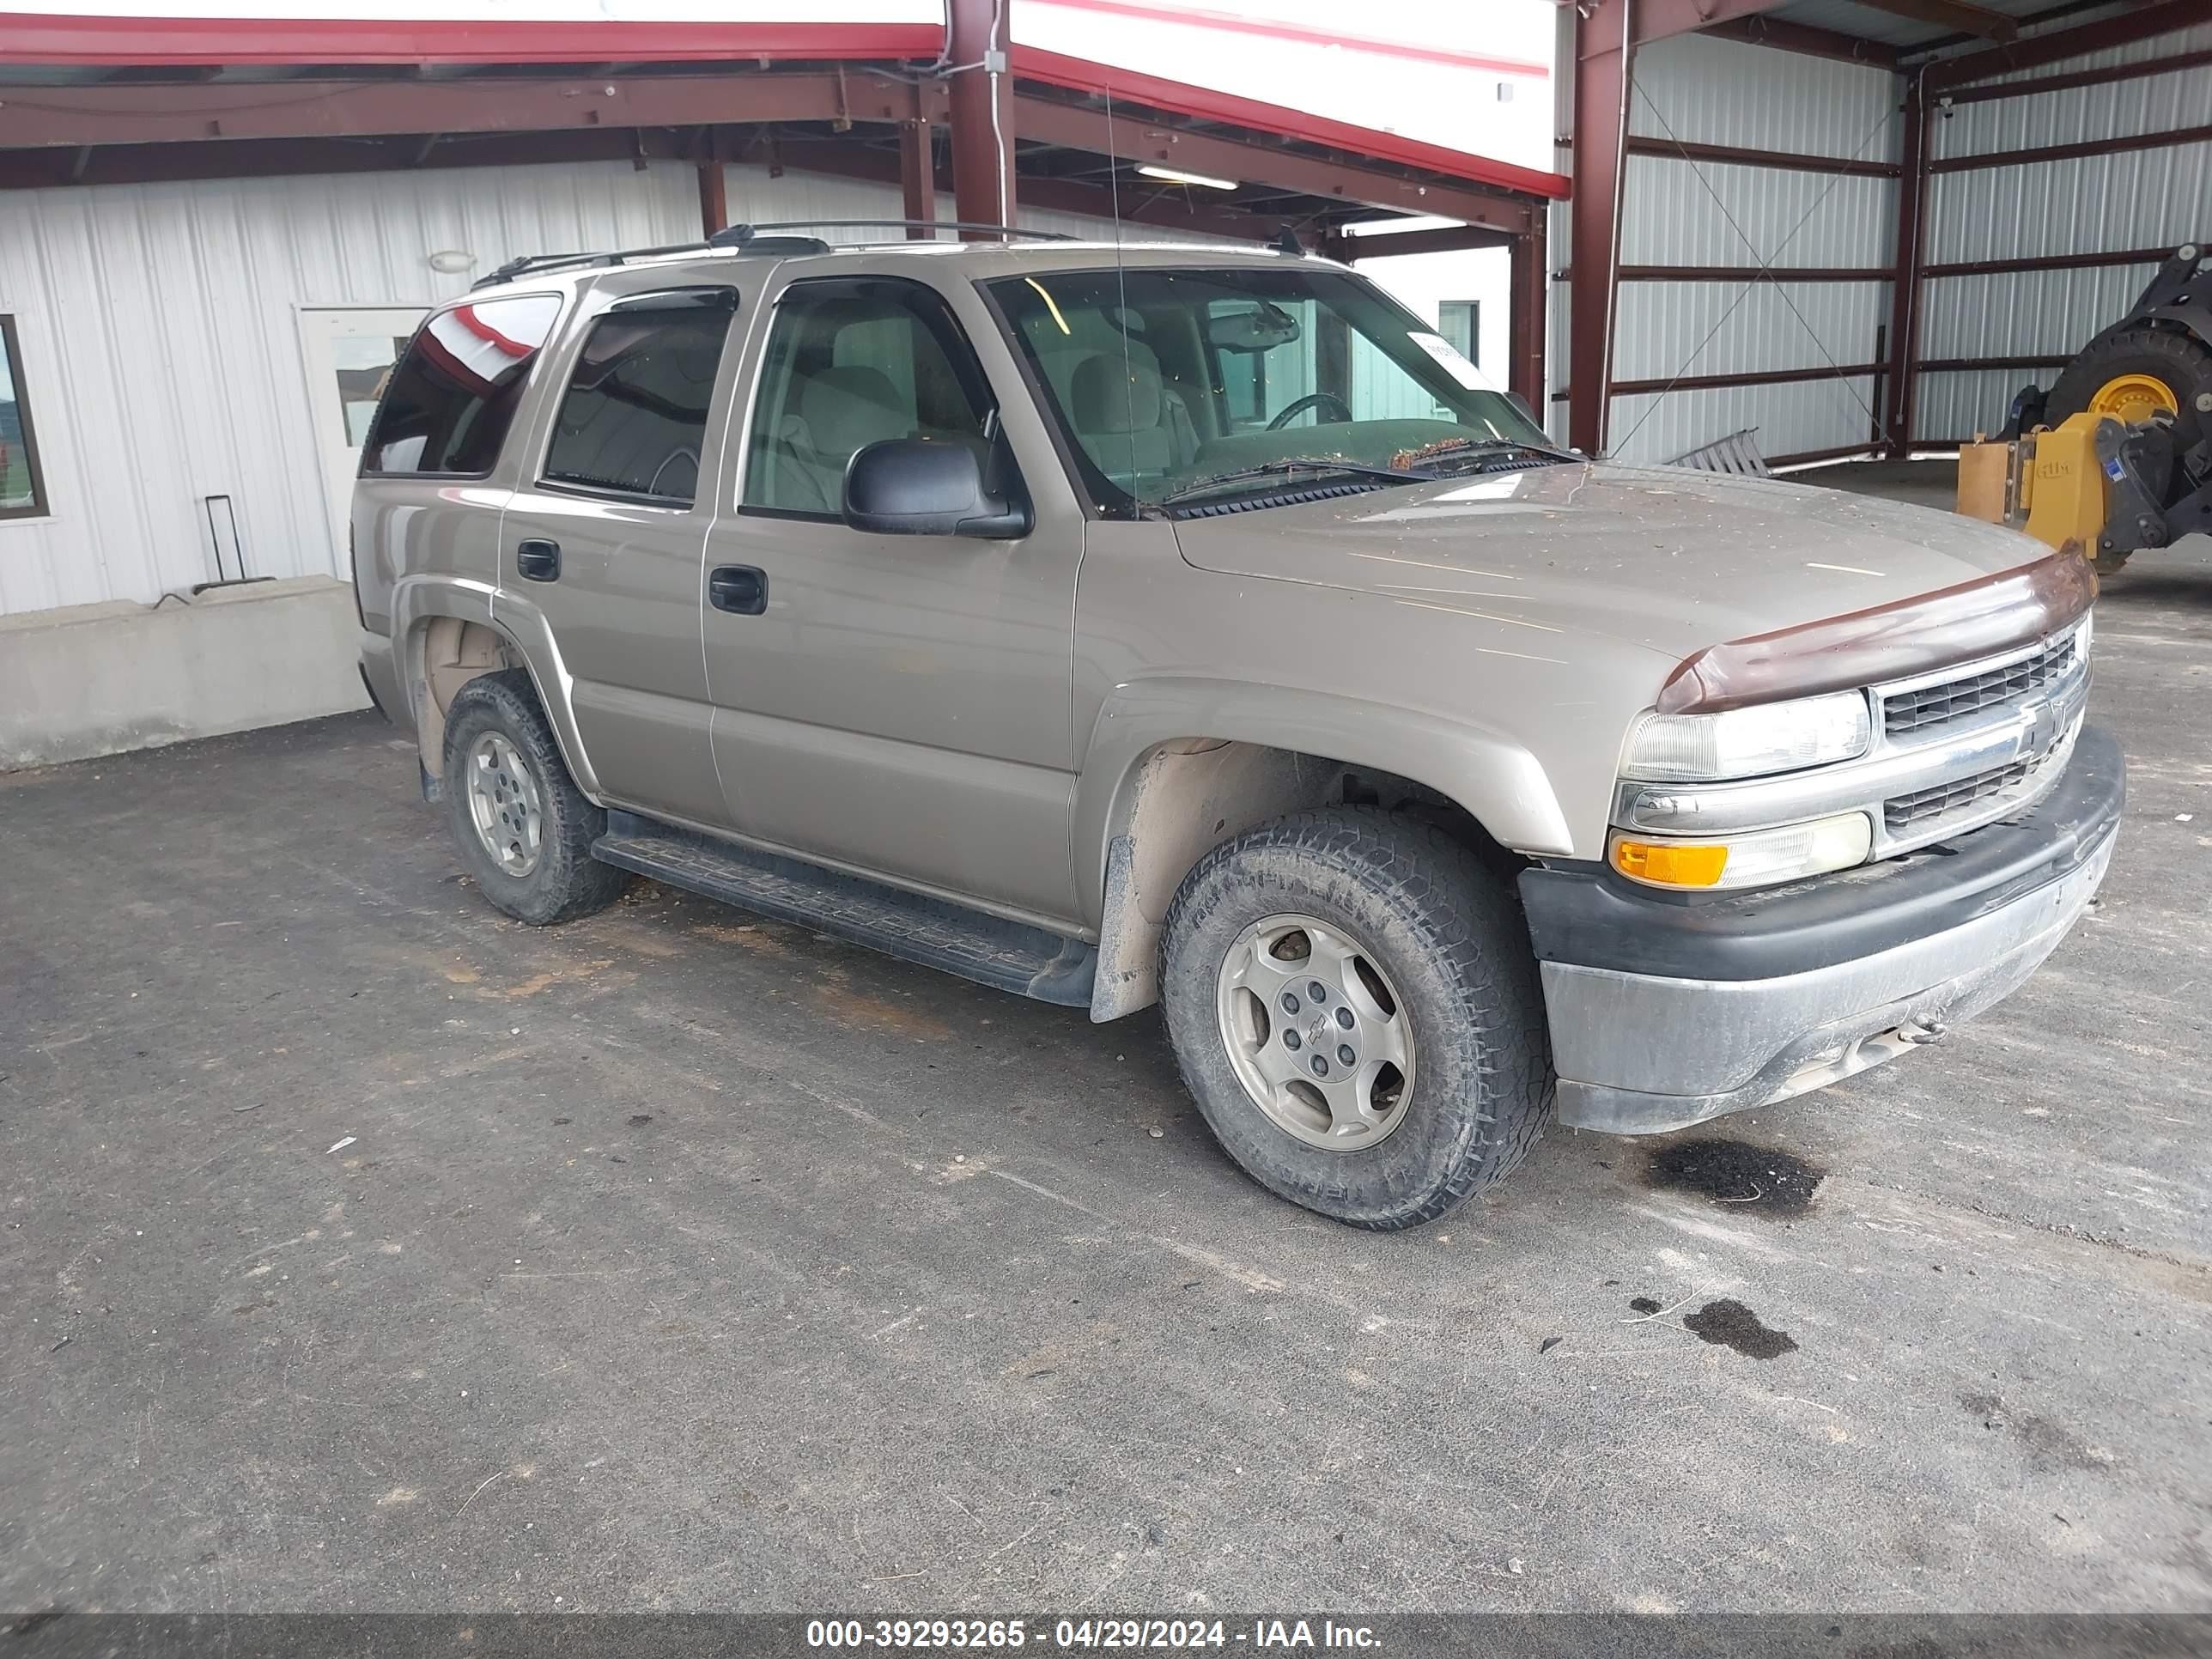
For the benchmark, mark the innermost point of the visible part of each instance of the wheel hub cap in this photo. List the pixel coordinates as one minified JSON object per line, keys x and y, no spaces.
{"x":1316,"y":1031}
{"x":505,"y":804}
{"x":2135,"y":399}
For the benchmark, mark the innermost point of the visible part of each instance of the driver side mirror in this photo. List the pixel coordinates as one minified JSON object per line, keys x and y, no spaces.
{"x":930,"y":487}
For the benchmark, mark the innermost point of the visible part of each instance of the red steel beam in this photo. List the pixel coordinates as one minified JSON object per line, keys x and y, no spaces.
{"x":2146,"y":24}
{"x":713,"y":196}
{"x":2173,"y":63}
{"x":1904,"y":297}
{"x":2139,"y":256}
{"x":918,"y":171}
{"x":1444,"y":239}
{"x":1955,"y":15}
{"x":1736,"y":155}
{"x":1785,"y":36}
{"x":140,"y":114}
{"x":1131,"y":138}
{"x":1604,"y":49}
{"x":1656,"y":20}
{"x":982,"y":112}
{"x":1525,"y":372}
{"x":2021,"y":158}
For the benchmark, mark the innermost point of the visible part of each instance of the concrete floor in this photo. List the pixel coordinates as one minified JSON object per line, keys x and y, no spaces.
{"x":362,"y":1250}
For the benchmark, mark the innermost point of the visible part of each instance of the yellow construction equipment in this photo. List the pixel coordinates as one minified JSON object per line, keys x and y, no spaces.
{"x":2117,"y":456}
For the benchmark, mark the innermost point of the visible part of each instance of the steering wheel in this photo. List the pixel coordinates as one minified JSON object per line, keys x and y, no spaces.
{"x":1312,"y":400}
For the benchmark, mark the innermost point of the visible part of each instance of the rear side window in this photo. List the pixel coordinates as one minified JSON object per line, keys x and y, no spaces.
{"x":634,"y":414}
{"x":454,"y":393}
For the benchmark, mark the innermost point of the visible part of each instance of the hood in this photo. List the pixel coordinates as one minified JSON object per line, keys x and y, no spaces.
{"x":1670,"y":559}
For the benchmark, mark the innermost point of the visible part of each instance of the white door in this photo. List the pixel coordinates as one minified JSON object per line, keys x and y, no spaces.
{"x":349,"y":351}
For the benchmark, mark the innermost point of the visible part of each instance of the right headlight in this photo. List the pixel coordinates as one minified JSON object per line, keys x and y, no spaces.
{"x":1749,"y":742}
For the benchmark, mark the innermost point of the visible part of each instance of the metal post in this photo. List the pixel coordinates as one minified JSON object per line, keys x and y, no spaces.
{"x":1602,"y":71}
{"x":1525,"y":367}
{"x":713,"y":194}
{"x":918,"y":172}
{"x":1904,"y":293}
{"x":982,"y":112}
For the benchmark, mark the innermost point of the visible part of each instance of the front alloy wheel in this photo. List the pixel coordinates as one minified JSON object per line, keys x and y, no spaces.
{"x":1316,"y":1032}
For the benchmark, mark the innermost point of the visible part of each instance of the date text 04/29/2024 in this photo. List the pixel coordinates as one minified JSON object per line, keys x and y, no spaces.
{"x":1086,"y":1635}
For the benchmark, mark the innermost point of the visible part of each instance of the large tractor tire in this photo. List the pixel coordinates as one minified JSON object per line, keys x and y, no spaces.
{"x":2137,"y":374}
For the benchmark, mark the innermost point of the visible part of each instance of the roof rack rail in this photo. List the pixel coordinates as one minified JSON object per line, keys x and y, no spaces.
{"x":745,"y":235}
{"x":748,"y":239}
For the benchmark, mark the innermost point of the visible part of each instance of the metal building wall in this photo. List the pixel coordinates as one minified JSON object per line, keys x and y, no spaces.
{"x":161,"y":354}
{"x":1680,"y":212}
{"x":2123,"y":200}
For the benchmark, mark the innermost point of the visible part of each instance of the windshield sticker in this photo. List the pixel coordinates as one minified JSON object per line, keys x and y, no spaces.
{"x":1454,"y":365}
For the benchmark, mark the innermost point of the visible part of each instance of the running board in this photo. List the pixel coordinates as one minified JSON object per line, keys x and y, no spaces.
{"x":1007,"y":956}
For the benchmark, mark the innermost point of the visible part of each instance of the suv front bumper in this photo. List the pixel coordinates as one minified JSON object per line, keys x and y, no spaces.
{"x":1666,"y":1011}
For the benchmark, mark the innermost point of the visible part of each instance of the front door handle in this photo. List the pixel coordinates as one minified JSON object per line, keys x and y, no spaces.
{"x":739,"y":588}
{"x":538,"y":560}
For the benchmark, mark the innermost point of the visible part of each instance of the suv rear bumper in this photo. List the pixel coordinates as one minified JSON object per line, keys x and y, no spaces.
{"x":1667,"y":1011}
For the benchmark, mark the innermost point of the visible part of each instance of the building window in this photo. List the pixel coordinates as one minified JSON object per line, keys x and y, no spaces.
{"x":447,"y":407}
{"x":22,"y":486}
{"x":635,"y":416}
{"x":1460,"y":321}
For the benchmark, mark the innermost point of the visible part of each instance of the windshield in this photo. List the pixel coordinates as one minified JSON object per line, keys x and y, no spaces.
{"x":1160,"y":380}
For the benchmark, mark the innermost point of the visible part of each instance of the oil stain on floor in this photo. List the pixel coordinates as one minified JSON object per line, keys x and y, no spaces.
{"x":1756,"y":1179}
{"x":1730,"y":1324}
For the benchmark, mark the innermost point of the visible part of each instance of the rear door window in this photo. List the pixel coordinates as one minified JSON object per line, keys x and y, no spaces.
{"x":635,"y":414}
{"x":449,"y":404}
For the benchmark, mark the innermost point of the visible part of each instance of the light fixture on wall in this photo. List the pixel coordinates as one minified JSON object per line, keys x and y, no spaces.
{"x":453,"y":261}
{"x":1176,"y":176}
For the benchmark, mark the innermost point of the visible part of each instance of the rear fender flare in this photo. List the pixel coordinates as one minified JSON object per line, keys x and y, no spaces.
{"x":419,"y":600}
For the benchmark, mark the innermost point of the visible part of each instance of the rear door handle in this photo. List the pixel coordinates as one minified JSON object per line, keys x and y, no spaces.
{"x":538,"y":560}
{"x":739,"y":588}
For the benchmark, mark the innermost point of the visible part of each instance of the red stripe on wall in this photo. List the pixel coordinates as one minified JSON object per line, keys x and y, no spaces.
{"x":1181,"y":99}
{"x":1270,"y":28}
{"x":50,"y":37}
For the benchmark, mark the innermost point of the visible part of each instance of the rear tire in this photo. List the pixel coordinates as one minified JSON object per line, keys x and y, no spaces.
{"x":523,"y":829}
{"x":1427,"y":930}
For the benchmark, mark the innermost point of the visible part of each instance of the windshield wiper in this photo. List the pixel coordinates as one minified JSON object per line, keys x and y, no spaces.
{"x":1293,"y":464}
{"x":1452,"y":449}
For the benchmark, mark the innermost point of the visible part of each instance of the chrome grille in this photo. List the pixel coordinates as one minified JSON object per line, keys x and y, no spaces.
{"x":1925,"y":706}
{"x":1901,"y":814}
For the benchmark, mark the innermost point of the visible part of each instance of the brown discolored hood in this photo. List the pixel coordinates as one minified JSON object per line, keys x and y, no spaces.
{"x":1668,"y":559}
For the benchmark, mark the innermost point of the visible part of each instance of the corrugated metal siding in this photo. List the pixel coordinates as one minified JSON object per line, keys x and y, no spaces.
{"x":1706,"y":91}
{"x":161,"y":350}
{"x":1680,"y":212}
{"x":2110,"y":203}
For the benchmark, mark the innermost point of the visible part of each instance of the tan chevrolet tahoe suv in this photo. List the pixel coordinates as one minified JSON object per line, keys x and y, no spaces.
{"x":1122,"y":625}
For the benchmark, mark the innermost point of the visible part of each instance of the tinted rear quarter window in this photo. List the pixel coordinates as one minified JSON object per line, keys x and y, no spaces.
{"x":454,"y":394}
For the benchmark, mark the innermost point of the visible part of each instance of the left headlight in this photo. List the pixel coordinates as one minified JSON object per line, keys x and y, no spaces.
{"x":1749,"y":743}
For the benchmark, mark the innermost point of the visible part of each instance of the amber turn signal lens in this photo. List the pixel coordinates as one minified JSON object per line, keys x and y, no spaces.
{"x":1670,"y":864}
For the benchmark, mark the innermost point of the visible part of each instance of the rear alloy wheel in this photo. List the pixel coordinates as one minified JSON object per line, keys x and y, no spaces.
{"x":1355,"y":1006}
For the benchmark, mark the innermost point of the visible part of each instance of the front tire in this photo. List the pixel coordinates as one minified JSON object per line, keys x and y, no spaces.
{"x":1355,"y":1007}
{"x":523,"y":829}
